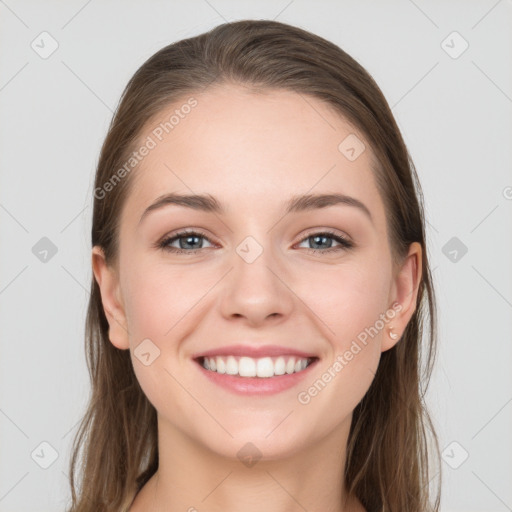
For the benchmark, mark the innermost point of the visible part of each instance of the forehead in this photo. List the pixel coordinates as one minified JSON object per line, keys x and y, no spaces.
{"x":245,"y":147}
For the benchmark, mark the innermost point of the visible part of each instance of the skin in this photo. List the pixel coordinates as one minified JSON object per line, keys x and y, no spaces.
{"x":252,"y":152}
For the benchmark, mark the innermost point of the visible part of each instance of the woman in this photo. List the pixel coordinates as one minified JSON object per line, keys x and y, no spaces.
{"x":260,"y":288}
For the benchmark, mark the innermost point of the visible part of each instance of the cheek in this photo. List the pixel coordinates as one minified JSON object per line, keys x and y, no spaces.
{"x":158,"y":297}
{"x":148,"y":310}
{"x":349,"y":298}
{"x":349,"y":301}
{"x":156,"y":307}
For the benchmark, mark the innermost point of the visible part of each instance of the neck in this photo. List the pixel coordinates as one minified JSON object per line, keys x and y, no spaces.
{"x":192,"y":478}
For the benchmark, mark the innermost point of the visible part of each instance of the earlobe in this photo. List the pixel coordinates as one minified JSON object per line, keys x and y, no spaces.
{"x":108,"y":283}
{"x":405,"y":293}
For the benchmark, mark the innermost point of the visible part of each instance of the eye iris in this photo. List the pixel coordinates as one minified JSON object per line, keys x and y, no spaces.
{"x":321,"y":237}
{"x":188,"y":238}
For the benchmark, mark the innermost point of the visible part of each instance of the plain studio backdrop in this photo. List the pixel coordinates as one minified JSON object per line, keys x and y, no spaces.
{"x":445,"y":69}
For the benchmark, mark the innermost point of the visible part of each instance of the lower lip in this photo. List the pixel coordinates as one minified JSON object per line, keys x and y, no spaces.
{"x":256,"y":385}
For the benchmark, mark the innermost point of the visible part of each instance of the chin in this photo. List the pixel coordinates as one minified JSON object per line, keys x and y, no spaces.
{"x":254,"y":443}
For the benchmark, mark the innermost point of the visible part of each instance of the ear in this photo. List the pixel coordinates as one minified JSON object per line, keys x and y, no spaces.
{"x":404,"y":292}
{"x":108,"y":282}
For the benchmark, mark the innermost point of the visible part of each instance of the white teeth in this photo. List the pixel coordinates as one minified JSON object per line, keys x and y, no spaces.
{"x":221,"y":365}
{"x":264,"y":367}
{"x":231,"y":366}
{"x":280,"y":366}
{"x":290,"y":366}
{"x":247,"y":367}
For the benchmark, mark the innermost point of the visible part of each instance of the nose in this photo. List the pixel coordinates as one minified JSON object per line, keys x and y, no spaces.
{"x":257,"y":289}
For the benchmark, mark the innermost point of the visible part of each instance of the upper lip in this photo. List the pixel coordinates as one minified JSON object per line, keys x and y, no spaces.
{"x":254,"y":352}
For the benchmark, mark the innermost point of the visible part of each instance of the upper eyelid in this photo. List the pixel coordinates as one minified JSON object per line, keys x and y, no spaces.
{"x":186,"y":232}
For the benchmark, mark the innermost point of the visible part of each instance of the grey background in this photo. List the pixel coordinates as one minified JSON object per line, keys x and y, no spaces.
{"x":455,"y":116}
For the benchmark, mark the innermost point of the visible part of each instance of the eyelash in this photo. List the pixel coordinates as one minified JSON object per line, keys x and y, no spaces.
{"x":164,"y":243}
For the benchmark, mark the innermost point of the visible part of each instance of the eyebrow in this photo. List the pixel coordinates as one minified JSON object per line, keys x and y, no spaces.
{"x":208,"y":203}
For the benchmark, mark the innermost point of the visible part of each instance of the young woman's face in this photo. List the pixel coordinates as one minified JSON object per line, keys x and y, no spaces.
{"x":255,"y":275}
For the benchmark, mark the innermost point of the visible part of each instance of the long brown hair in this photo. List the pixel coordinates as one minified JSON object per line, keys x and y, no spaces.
{"x":115,"y":450}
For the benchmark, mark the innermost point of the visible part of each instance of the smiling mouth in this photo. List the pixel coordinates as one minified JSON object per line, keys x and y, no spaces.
{"x":263,"y":367}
